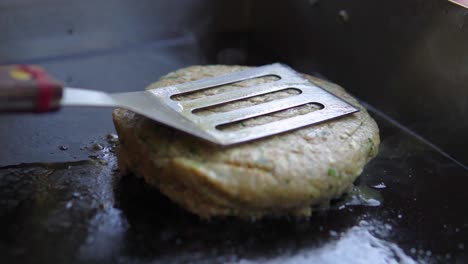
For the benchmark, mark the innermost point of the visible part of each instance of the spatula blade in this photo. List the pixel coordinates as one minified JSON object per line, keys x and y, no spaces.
{"x":159,"y":104}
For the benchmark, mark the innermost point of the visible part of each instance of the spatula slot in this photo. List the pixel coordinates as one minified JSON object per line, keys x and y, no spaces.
{"x":271,"y":117}
{"x":213,"y":90}
{"x":246,"y":102}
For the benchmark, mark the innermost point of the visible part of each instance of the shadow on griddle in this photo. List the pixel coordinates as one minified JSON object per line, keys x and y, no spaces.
{"x":159,"y":228}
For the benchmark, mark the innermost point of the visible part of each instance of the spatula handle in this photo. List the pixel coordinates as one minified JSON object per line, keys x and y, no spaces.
{"x":28,"y":88}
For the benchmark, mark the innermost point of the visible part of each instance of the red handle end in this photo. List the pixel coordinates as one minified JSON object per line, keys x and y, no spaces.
{"x":47,"y":88}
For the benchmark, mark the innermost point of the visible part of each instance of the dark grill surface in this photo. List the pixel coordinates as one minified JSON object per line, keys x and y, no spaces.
{"x":85,"y":211}
{"x":73,"y":205}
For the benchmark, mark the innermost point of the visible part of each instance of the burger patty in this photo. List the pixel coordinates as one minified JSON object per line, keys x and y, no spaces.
{"x":285,"y":174}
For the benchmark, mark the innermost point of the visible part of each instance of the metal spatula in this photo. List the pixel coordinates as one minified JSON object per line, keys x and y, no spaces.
{"x":30,"y":88}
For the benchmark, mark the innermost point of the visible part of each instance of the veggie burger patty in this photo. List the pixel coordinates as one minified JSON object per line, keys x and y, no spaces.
{"x":285,"y":174}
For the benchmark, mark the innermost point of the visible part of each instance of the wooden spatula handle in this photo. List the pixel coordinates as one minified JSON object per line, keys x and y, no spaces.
{"x":28,"y":88}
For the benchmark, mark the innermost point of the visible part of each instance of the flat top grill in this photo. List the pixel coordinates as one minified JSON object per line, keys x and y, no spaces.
{"x":62,"y":199}
{"x":85,"y":211}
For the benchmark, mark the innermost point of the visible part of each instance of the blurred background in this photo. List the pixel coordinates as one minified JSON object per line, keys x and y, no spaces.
{"x":406,"y":60}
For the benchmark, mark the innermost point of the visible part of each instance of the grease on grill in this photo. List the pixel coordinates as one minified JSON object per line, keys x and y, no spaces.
{"x":271,"y":117}
{"x":224,"y":88}
{"x":255,"y":100}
